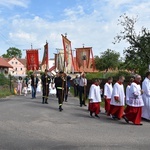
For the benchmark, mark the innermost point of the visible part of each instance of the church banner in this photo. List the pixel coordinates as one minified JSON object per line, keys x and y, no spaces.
{"x":32,"y":57}
{"x":45,"y":55}
{"x":83,"y":54}
{"x":67,"y":49}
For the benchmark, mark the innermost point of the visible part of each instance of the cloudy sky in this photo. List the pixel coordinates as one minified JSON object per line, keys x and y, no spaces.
{"x":89,"y":22}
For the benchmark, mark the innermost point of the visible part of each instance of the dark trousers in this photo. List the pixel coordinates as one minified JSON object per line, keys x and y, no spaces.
{"x":45,"y":93}
{"x":33,"y":91}
{"x":66,"y":93}
{"x":81,"y":92}
{"x":60,"y":95}
{"x":76,"y":90}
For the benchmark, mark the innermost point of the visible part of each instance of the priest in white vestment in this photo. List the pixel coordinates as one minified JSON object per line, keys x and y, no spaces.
{"x":146,"y":97}
{"x":133,"y":110}
{"x":117,"y":99}
{"x":95,"y":98}
{"x":107,"y":93}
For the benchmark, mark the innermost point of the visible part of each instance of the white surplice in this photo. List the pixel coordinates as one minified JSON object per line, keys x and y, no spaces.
{"x":135,"y":96}
{"x":146,"y":99}
{"x":94,"y":94}
{"x":118,"y":91}
{"x":108,"y":90}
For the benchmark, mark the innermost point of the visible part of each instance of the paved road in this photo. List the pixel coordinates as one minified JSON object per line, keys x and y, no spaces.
{"x":26,"y":124}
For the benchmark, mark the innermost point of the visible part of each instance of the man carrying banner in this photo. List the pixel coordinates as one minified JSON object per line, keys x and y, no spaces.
{"x":45,"y":84}
{"x":60,"y":85}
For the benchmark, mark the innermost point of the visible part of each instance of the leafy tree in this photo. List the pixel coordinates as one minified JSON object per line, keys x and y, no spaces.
{"x":137,"y":55}
{"x":108,"y":60}
{"x":13,"y":52}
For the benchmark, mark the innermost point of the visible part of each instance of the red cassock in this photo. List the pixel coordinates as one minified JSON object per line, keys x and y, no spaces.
{"x":107,"y":104}
{"x":94,"y":107}
{"x":133,"y":114}
{"x":116,"y":111}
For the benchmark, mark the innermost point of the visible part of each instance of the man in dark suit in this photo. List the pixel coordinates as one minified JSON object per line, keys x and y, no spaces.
{"x":34,"y":83}
{"x":46,"y":79}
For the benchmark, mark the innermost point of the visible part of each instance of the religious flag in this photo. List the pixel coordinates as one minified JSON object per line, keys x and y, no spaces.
{"x":45,"y":55}
{"x":83,"y":54}
{"x":67,"y":49}
{"x":32,"y":57}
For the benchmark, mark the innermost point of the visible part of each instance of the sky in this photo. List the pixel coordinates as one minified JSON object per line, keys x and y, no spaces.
{"x":89,"y":22}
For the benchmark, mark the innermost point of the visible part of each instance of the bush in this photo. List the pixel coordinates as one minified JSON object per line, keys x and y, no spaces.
{"x":3,"y":80}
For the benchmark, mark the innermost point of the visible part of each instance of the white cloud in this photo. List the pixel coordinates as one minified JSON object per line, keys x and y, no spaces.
{"x":11,"y":3}
{"x":96,"y":28}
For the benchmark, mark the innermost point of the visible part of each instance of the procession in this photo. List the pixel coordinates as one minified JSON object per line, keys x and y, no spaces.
{"x":130,"y":103}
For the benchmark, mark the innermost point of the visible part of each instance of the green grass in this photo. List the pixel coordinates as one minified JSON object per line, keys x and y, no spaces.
{"x":5,"y":92}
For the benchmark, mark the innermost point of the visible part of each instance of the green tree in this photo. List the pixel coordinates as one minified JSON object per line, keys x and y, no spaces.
{"x":137,"y":55}
{"x":13,"y":52}
{"x":108,"y":60}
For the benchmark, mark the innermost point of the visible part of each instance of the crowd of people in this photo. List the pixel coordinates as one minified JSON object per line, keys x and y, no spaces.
{"x":130,"y":104}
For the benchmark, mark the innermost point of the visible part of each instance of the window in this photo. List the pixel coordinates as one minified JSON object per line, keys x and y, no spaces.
{"x":12,"y":62}
{"x":16,"y":62}
{"x":20,"y":68}
{"x":16,"y":69}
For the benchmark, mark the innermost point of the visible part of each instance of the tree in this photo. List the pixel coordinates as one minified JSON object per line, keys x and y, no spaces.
{"x":108,"y":60}
{"x":137,"y":55}
{"x":13,"y":52}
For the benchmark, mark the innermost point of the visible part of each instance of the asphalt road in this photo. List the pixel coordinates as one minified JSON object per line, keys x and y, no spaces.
{"x":27,"y":124}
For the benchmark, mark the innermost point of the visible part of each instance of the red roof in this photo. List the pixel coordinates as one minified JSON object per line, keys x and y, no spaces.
{"x":22,"y":60}
{"x":4,"y":63}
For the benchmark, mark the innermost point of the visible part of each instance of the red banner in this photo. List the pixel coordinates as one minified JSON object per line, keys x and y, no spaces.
{"x":32,"y":57}
{"x":67,"y":48}
{"x":83,"y":54}
{"x":45,"y":56}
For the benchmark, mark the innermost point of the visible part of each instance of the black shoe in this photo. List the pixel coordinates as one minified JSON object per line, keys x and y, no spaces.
{"x":66,"y":101}
{"x":60,"y":109}
{"x":97,"y":116}
{"x":125,"y":118}
{"x":113,"y":117}
{"x":139,"y":124}
{"x":91,"y":114}
{"x":80,"y":105}
{"x":46,"y":102}
{"x":84,"y":104}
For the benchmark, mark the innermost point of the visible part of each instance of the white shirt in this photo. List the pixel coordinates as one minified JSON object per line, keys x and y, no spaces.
{"x":118,"y":91}
{"x":82,"y":82}
{"x":94,"y":94}
{"x":135,"y":97}
{"x":108,"y":90}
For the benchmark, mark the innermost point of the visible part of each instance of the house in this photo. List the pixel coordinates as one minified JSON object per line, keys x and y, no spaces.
{"x":19,"y":66}
{"x":4,"y":66}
